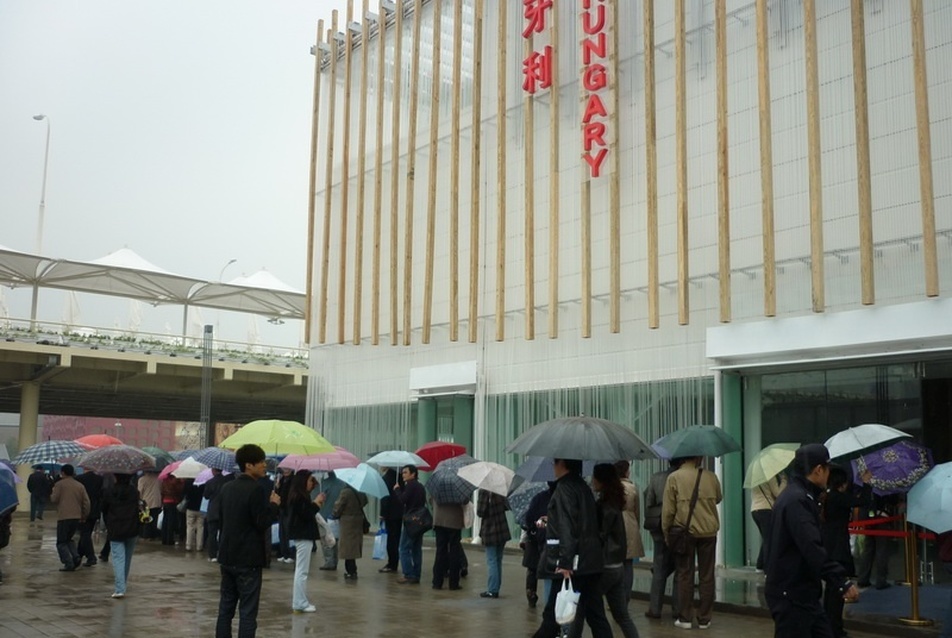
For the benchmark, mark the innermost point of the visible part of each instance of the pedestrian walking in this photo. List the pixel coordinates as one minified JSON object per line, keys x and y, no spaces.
{"x":73,"y":509}
{"x":120,"y":508}
{"x":40,"y":487}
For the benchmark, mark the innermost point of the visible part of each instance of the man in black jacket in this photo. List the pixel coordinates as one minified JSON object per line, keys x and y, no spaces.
{"x":412,"y":497}
{"x":796,"y":561}
{"x":40,"y":487}
{"x":93,"y":484}
{"x":573,"y":550}
{"x":391,"y":514}
{"x":246,"y":515}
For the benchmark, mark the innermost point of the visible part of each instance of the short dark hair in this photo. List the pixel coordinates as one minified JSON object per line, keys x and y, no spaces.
{"x":622,"y":468}
{"x":412,"y":469}
{"x":68,"y":470}
{"x":572,"y":465}
{"x":249,"y":454}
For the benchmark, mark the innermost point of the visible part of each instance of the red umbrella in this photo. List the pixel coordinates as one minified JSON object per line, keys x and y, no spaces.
{"x":96,"y":441}
{"x":168,"y":469}
{"x":436,"y":451}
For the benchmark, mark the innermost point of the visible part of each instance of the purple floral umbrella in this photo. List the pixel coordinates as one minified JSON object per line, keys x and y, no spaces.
{"x":895,"y":468}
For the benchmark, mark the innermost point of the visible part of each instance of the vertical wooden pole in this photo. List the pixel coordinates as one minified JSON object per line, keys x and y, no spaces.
{"x":863,"y":171}
{"x":554,"y":193}
{"x":682,"y":162}
{"x":361,"y":177}
{"x":723,"y":165}
{"x":474,"y":184}
{"x":395,"y":174}
{"x":378,"y":173}
{"x":813,"y":156}
{"x":454,"y":169}
{"x":411,"y":177}
{"x":766,"y":161}
{"x":312,"y":180}
{"x":614,"y":193}
{"x":528,"y":105}
{"x":501,"y":70}
{"x":345,"y":175}
{"x":328,"y":177}
{"x":925,"y":150}
{"x":651,"y":165}
{"x":432,"y":174}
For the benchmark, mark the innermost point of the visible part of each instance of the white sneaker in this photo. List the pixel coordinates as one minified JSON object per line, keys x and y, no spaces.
{"x":310,"y":609}
{"x":704,"y":625}
{"x":118,"y":595}
{"x":683,"y":624}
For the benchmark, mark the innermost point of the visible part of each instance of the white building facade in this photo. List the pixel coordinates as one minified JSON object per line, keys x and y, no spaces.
{"x":471,"y":274}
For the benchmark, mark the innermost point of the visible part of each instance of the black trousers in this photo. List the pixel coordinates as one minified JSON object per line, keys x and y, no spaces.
{"x":762,"y":520}
{"x":86,"y":549}
{"x":394,"y":527}
{"x":241,"y":589}
{"x":798,"y":619}
{"x":449,"y":553}
{"x":169,"y":523}
{"x":65,"y":530}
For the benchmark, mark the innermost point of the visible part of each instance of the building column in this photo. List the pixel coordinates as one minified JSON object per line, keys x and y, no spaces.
{"x":463,"y":421}
{"x":29,"y":424}
{"x":735,"y":510}
{"x":426,"y":421}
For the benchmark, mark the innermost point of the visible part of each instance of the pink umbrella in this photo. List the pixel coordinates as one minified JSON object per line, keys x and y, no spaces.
{"x":168,"y":469}
{"x":96,"y":441}
{"x":336,"y":460}
{"x":206,"y":475}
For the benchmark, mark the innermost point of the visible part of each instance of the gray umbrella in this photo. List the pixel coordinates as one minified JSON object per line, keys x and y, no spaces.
{"x":446,"y":486}
{"x":581,"y":437}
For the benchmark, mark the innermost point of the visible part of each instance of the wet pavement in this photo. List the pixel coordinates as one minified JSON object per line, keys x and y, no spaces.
{"x":175,"y":593}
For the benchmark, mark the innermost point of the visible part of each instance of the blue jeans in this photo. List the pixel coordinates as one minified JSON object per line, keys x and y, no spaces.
{"x":121,"y":561}
{"x":241,"y":588}
{"x":411,"y":555}
{"x":302,"y":567}
{"x":494,"y":565}
{"x":37,"y":505}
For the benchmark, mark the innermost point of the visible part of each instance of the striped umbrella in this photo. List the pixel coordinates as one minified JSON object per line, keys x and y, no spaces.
{"x":48,"y":452}
{"x":216,"y":457}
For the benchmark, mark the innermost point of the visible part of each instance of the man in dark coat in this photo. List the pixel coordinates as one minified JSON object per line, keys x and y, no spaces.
{"x":573,"y":550}
{"x":40,"y":487}
{"x":93,"y":484}
{"x":212,"y":517}
{"x":246,"y":513}
{"x":796,"y":560}
{"x":391,"y":513}
{"x":412,"y":496}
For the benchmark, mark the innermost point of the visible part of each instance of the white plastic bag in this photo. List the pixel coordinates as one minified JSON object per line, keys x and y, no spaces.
{"x":566,"y":602}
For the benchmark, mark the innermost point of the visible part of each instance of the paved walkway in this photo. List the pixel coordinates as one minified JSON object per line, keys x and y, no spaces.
{"x":175,"y":593}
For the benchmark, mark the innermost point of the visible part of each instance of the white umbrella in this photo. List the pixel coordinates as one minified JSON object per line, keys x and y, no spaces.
{"x":488,"y":476}
{"x":862,"y":439}
{"x":189,"y":469}
{"x":397,"y":458}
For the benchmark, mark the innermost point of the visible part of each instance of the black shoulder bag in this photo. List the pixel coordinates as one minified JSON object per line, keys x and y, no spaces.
{"x":679,"y":536}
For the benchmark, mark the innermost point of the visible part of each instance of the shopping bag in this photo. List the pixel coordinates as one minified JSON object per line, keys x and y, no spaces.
{"x":275,"y":534}
{"x":203,"y":508}
{"x":566,"y":602}
{"x":158,"y":524}
{"x":380,"y":544}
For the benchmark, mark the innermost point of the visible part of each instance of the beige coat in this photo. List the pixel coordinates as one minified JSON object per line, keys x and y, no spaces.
{"x":349,"y":508}
{"x":764,"y":496}
{"x":71,"y":499}
{"x":677,"y":501}
{"x":149,"y":492}
{"x":631,"y":516}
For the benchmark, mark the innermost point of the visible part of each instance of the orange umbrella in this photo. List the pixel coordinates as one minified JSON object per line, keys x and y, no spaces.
{"x":96,"y":441}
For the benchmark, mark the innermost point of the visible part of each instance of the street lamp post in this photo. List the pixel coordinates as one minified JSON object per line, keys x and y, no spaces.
{"x":46,"y":163}
{"x":221,"y":274}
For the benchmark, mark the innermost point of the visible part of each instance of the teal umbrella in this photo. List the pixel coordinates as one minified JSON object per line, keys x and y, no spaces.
{"x":695,"y":440}
{"x":363,"y":478}
{"x":929,"y":502}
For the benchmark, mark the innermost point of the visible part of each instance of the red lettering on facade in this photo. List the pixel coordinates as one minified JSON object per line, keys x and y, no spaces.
{"x":594,"y":46}
{"x":594,"y":107}
{"x":594,"y":77}
{"x":595,"y":162}
{"x":591,"y":133}
{"x":598,"y":26}
{"x":534,"y":12}
{"x":537,"y":70}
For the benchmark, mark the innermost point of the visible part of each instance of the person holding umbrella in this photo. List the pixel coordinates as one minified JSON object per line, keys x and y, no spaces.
{"x":349,"y":510}
{"x":796,"y":560}
{"x":303,"y":530}
{"x":662,"y":565}
{"x":40,"y":488}
{"x":494,"y":532}
{"x":120,"y":508}
{"x":74,"y":507}
{"x":391,"y":515}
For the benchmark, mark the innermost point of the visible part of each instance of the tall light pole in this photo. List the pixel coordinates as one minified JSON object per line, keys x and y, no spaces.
{"x":46,"y":163}
{"x":221,"y":274}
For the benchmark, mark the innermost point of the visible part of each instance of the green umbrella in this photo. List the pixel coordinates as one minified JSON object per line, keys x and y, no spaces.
{"x":695,"y":440}
{"x":769,"y":462}
{"x":279,"y":437}
{"x":158,"y":453}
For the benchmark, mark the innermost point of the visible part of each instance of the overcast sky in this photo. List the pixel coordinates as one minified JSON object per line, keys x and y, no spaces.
{"x":180,"y":129}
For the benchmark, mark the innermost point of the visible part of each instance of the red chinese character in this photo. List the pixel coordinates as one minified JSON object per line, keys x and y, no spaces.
{"x":537,"y":70}
{"x":534,"y":12}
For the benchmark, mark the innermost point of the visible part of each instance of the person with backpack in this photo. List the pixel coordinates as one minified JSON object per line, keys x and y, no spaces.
{"x":120,"y":507}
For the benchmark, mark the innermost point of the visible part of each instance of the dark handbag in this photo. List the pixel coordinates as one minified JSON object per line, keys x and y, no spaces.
{"x":418,"y":521}
{"x":366,"y":525}
{"x":679,"y":536}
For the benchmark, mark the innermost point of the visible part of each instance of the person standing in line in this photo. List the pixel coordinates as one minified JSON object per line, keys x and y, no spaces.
{"x":610,"y":501}
{"x":331,"y":486}
{"x":40,"y":488}
{"x":303,"y":531}
{"x":282,"y":485}
{"x":108,"y":483}
{"x":151,"y":492}
{"x":391,"y":514}
{"x":173,"y":489}
{"x":120,"y":508}
{"x":836,"y":512}
{"x":194,"y":519}
{"x":796,"y":561}
{"x":92,"y":481}
{"x":213,"y":516}
{"x":762,"y":499}
{"x":412,"y":496}
{"x":679,"y":492}
{"x":247,"y":513}
{"x":73,"y":508}
{"x":491,"y":508}
{"x":944,"y":543}
{"x":349,"y":510}
{"x":632,"y":517}
{"x":663,"y":560}
{"x":448,"y":521}
{"x":573,"y":549}
{"x":873,"y":567}
{"x":533,"y":541}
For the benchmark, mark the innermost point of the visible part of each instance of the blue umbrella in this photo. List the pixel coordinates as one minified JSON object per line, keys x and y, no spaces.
{"x":929,"y":502}
{"x":8,"y":493}
{"x":217,"y":457}
{"x":364,"y":478}
{"x":695,"y":440}
{"x":520,"y":498}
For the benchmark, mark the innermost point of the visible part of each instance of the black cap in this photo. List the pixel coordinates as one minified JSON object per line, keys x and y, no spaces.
{"x":809,"y":456}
